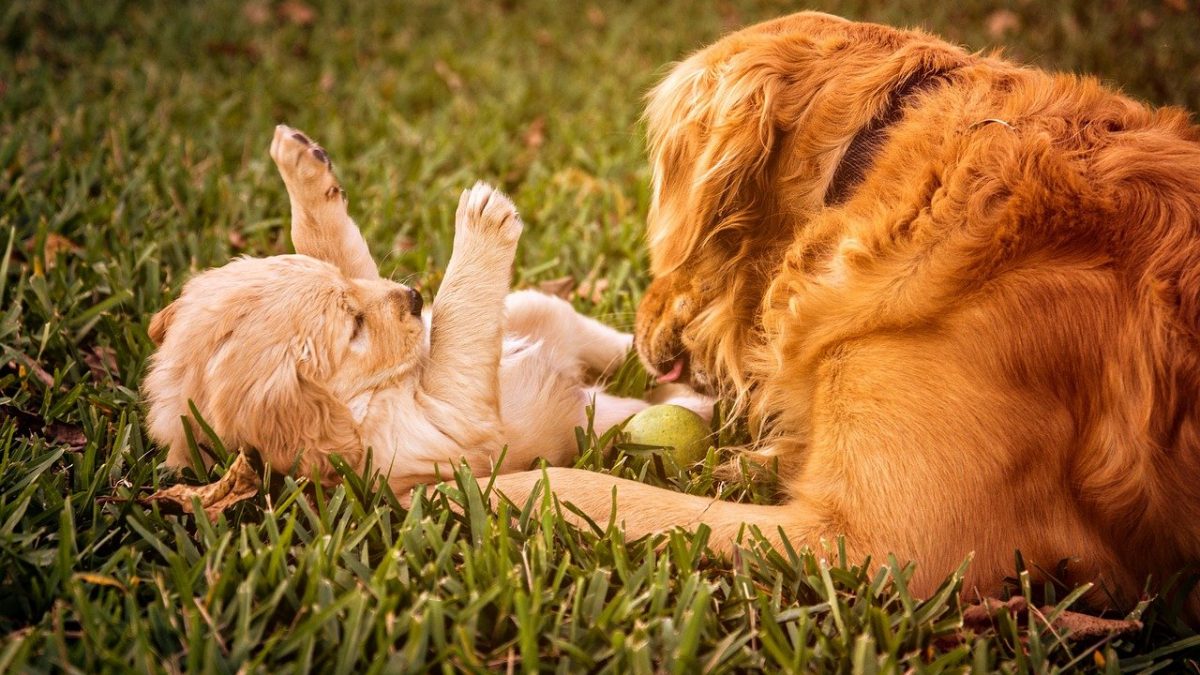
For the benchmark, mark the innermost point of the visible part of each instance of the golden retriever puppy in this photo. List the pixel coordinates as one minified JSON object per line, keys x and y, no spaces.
{"x":306,"y":356}
{"x":959,"y":300}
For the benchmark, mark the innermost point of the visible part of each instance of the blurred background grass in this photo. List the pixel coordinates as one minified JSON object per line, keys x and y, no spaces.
{"x":133,"y":141}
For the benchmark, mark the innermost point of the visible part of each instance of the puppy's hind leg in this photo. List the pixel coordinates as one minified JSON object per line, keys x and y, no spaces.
{"x":321,"y":226}
{"x":597,"y":347}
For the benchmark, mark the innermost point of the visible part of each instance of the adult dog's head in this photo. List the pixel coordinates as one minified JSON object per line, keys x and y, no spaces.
{"x":277,"y":354}
{"x":745,"y":139}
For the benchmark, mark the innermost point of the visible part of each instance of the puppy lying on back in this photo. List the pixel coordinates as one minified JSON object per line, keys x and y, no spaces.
{"x":309,"y":355}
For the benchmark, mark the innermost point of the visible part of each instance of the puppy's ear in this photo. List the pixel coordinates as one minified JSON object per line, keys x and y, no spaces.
{"x":286,"y":413}
{"x":161,"y":321}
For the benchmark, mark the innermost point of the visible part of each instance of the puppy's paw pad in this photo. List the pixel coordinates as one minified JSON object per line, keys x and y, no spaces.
{"x":485,"y":211}
{"x":304,"y":165}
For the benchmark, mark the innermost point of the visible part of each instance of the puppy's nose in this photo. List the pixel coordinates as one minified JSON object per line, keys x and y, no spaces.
{"x":415,"y":301}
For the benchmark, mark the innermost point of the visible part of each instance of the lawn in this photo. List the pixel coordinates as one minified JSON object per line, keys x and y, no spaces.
{"x":133,"y":152}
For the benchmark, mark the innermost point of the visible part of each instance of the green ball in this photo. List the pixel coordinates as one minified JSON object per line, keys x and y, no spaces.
{"x":671,"y":426}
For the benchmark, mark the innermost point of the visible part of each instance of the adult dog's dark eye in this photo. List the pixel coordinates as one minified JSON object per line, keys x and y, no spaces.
{"x":359,"y":319}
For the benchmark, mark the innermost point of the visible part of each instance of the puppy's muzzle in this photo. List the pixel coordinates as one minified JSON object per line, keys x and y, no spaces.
{"x":409,"y":300}
{"x":415,"y":302}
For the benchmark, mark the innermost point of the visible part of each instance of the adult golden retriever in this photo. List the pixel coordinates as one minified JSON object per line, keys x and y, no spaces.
{"x":959,"y":300}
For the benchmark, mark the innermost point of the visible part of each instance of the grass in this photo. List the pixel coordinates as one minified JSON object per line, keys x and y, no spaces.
{"x":133,"y":144}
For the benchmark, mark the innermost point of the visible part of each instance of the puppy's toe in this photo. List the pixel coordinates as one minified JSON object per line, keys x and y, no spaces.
{"x":485,"y":211}
{"x":305,"y":166}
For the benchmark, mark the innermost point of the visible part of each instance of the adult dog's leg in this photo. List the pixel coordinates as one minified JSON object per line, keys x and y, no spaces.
{"x":321,"y":226}
{"x":643,"y":509}
{"x":461,"y":381}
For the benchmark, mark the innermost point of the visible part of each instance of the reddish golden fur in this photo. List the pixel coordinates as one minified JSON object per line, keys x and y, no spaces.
{"x":991,"y":345}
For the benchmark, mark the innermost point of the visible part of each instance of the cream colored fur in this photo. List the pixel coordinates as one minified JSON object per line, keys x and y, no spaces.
{"x":305,"y":356}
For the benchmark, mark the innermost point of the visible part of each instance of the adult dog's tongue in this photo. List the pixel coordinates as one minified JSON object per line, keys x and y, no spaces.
{"x":673,"y":374}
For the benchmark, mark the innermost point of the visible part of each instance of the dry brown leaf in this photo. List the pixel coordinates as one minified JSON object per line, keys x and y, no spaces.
{"x":237,"y":240}
{"x":561,"y":287}
{"x":244,"y":50}
{"x":55,"y":243}
{"x":101,"y":361}
{"x":240,"y":482}
{"x":592,"y":290}
{"x":452,"y":79}
{"x":55,"y":432}
{"x":66,"y":434}
{"x":26,"y":365}
{"x":595,"y":16}
{"x":297,"y":12}
{"x":256,"y":13}
{"x":1087,"y":627}
{"x":403,"y":244}
{"x":979,"y":616}
{"x":1075,"y":625}
{"x":535,"y":133}
{"x":1002,"y":22}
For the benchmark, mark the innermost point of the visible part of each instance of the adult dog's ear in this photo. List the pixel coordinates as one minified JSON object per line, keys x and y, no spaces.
{"x":285,"y":412}
{"x":161,"y":321}
{"x":713,"y":125}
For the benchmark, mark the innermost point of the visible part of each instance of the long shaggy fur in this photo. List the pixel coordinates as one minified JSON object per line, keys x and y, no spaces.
{"x":993,"y":344}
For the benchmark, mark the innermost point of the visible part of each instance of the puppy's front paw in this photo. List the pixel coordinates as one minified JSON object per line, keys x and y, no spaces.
{"x":486,"y":213}
{"x":305,"y":167}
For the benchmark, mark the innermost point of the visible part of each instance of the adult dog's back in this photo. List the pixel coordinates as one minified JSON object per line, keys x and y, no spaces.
{"x":960,"y":300}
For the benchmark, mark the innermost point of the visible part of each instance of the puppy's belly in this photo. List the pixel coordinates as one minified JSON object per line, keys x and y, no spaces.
{"x":542,"y":400}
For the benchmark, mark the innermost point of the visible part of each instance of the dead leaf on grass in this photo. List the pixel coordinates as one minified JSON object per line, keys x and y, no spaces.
{"x":239,"y":483}
{"x":535,"y":133}
{"x":54,"y":244}
{"x":981,"y":617}
{"x":298,"y":13}
{"x":55,"y":432}
{"x":101,"y":361}
{"x":66,"y":434}
{"x":593,"y":290}
{"x":1002,"y":22}
{"x":237,"y":240}
{"x":256,"y":13}
{"x":560,"y":287}
{"x":453,"y":80}
{"x":595,"y":16}
{"x":26,"y":366}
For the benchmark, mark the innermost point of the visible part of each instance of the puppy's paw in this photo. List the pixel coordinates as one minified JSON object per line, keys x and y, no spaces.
{"x":305,"y":167}
{"x":487,"y":214}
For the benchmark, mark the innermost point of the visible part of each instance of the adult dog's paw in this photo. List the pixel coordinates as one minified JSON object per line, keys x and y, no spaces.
{"x":486,"y":213}
{"x":304,"y":165}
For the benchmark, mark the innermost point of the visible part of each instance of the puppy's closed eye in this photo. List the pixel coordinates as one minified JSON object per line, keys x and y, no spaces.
{"x":358,"y":337}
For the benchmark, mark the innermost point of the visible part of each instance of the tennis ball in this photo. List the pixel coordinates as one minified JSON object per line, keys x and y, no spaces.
{"x":671,"y":426}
